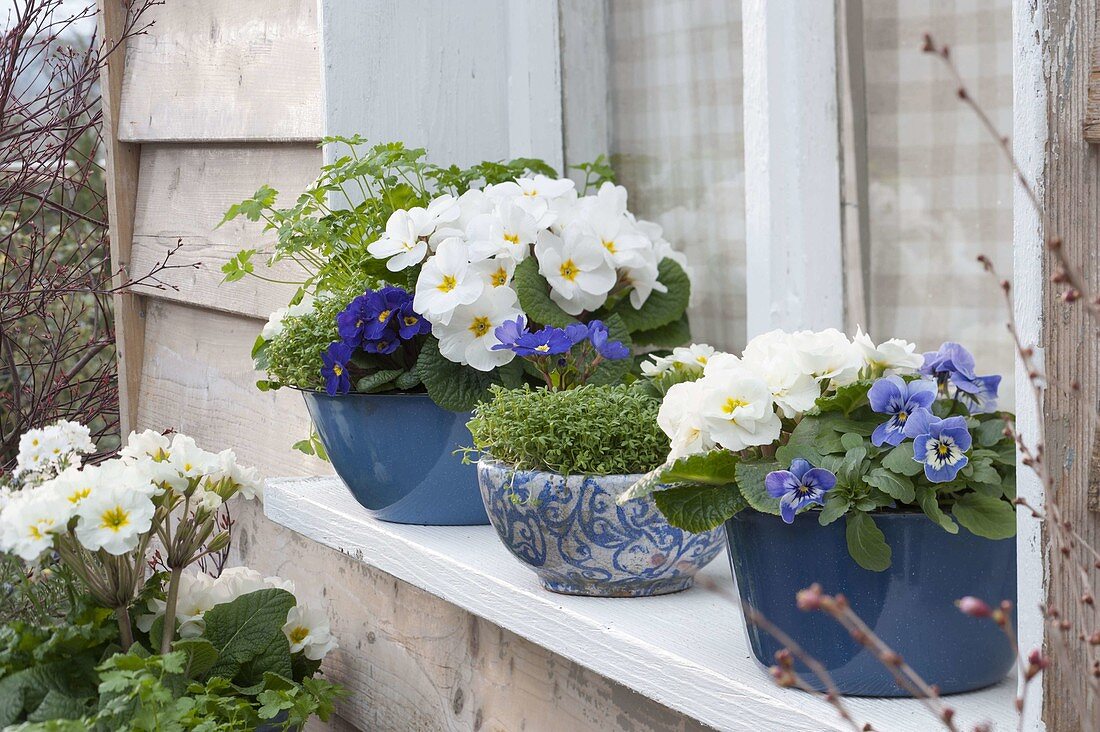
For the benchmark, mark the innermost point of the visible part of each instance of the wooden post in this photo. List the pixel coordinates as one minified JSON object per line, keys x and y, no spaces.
{"x":792,"y":166}
{"x":1052,"y":70}
{"x":122,"y":180}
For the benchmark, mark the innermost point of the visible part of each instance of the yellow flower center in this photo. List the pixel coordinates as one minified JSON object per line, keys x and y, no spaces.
{"x":79,"y":495}
{"x":499,"y":278}
{"x":531,"y":193}
{"x":609,"y":246}
{"x":569,"y":270}
{"x":701,"y":359}
{"x":544,"y":348}
{"x":480,"y":326}
{"x":298,"y":634}
{"x":512,"y":238}
{"x":337,"y":369}
{"x":114,"y":519}
{"x":36,"y":530}
{"x":732,"y":404}
{"x":383,"y":315}
{"x":943,"y":450}
{"x":34,"y":442}
{"x":447,"y":284}
{"x":411,"y":321}
{"x":902,"y":416}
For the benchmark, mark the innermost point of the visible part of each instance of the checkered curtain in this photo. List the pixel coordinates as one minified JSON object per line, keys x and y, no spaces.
{"x":939,"y":193}
{"x":678,"y":145}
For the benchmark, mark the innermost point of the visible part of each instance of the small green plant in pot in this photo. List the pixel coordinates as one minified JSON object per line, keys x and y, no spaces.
{"x":871,"y":469}
{"x":553,"y":463}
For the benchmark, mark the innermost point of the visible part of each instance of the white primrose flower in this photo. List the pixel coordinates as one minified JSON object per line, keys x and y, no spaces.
{"x":773,"y":358}
{"x":624,"y":244}
{"x":691,"y":359}
{"x":75,"y":485}
{"x":190,"y":460}
{"x":534,"y":195}
{"x":680,"y":417}
{"x":148,"y":444}
{"x":246,"y":481}
{"x":307,"y":629}
{"x":574,"y":264}
{"x":55,"y":446}
{"x":737,"y":409}
{"x":238,"y":581}
{"x":642,"y":279}
{"x":113,"y":518}
{"x":469,"y":337}
{"x":30,"y":521}
{"x":405,"y":242}
{"x":446,"y":282}
{"x":195,"y":596}
{"x":471,"y":204}
{"x":495,"y":272}
{"x":77,"y":435}
{"x":894,"y":356}
{"x":509,"y":230}
{"x":828,"y":355}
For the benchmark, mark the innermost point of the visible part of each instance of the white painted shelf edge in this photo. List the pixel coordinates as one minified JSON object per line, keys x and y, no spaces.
{"x":687,"y":651}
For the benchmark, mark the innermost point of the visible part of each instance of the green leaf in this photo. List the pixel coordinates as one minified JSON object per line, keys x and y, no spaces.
{"x":851,"y":441}
{"x":450,"y":385}
{"x":990,"y":432}
{"x":851,"y":469}
{"x":699,"y":508}
{"x":59,"y":705}
{"x":866,"y":542}
{"x":982,"y":471}
{"x":378,"y":381}
{"x":750,"y":480}
{"x":239,"y":266}
{"x":900,"y":460}
{"x":835,"y":507}
{"x":985,"y":516}
{"x":845,"y":399}
{"x":200,"y":655}
{"x":407,"y":380}
{"x":717,"y":467}
{"x":248,"y":628}
{"x":926,"y":497}
{"x":896,"y":486}
{"x":534,"y":296}
{"x":660,"y":308}
{"x":676,"y":333}
{"x":612,"y":372}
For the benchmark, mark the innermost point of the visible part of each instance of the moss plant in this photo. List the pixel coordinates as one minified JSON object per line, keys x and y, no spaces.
{"x":590,"y":430}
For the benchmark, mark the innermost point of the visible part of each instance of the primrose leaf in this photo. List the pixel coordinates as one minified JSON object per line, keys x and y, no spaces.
{"x":866,"y":542}
{"x":717,"y":467}
{"x":750,"y":481}
{"x":450,"y":385}
{"x":985,"y":516}
{"x":660,"y":308}
{"x":378,"y":381}
{"x":670,"y":335}
{"x":248,"y":628}
{"x":699,"y":508}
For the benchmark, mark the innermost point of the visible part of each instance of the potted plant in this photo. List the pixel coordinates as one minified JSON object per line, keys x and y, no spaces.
{"x":872,"y":470}
{"x":555,"y":459}
{"x":407,"y":270}
{"x":235,"y":652}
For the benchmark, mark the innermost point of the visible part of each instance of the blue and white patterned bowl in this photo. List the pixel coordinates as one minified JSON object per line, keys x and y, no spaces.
{"x":579,"y":541}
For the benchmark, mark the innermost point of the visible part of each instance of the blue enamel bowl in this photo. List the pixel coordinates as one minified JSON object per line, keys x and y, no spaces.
{"x":396,"y":454}
{"x":579,"y":541}
{"x":911,"y":605}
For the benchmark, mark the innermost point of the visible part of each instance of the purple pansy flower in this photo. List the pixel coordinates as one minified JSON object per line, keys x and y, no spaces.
{"x":335,"y":369}
{"x":951,"y":363}
{"x":940,"y":444}
{"x":984,"y":400}
{"x":800,"y":486}
{"x":611,"y":350}
{"x":894,"y":396}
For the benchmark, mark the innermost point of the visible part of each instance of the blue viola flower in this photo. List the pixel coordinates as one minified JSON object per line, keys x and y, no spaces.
{"x":549,"y":341}
{"x":939,"y":444}
{"x":509,"y":332}
{"x":798,"y":487}
{"x":335,"y":369}
{"x":894,"y":396}
{"x":611,"y":350}
{"x":951,"y":363}
{"x":351,"y":322}
{"x":984,"y":400}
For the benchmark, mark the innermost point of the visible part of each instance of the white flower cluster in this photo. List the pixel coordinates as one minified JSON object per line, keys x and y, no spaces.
{"x":738,"y":401}
{"x":586,"y":247}
{"x":274,"y":325}
{"x":110,"y":506}
{"x":306,"y":628}
{"x":46,"y":451}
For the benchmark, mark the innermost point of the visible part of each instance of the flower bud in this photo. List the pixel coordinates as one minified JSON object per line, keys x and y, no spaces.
{"x":973,"y":607}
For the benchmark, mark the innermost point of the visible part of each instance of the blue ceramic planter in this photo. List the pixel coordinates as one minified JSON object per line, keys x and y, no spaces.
{"x":910,"y":605}
{"x":579,"y":541}
{"x":395,"y":452}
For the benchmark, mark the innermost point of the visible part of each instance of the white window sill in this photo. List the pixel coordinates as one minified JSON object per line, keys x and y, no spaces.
{"x":686,"y":651}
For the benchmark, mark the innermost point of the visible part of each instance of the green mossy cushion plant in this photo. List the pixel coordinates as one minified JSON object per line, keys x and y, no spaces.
{"x":589,"y":430}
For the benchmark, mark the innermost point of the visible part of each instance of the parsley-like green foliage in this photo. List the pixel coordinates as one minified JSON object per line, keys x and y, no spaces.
{"x":590,"y":430}
{"x":294,"y":356}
